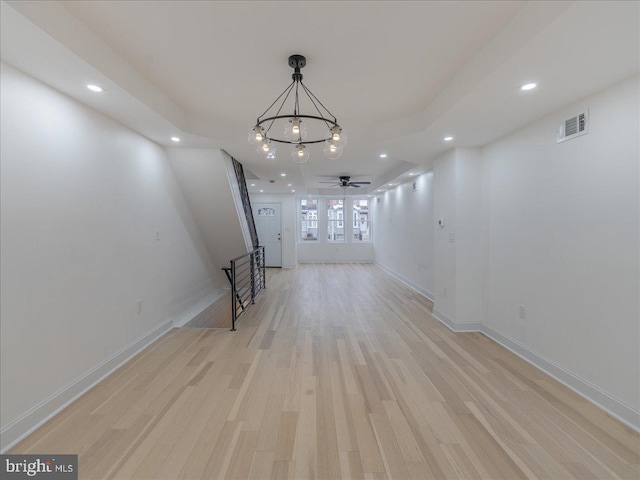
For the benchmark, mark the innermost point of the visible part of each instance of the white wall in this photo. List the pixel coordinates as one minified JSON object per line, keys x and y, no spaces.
{"x":564,"y":241}
{"x":403,"y":233}
{"x":288,"y":212}
{"x":325,"y":252}
{"x":471,"y":241}
{"x":459,"y":244}
{"x":204,"y":178}
{"x":444,"y":205}
{"x":82,"y":198}
{"x":552,"y":227}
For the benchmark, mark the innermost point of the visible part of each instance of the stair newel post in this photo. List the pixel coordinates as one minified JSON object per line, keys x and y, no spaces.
{"x":233,"y":296}
{"x":264,"y":275}
{"x":253,"y":276}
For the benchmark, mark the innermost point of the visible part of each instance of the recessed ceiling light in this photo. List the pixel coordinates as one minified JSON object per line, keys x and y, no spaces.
{"x":528,"y":86}
{"x":391,"y":184}
{"x":175,"y":139}
{"x":293,"y":191}
{"x":383,"y":155}
{"x":288,"y":184}
{"x":448,"y":139}
{"x":379,"y":190}
{"x":283,"y":174}
{"x":411,"y":174}
{"x":261,"y":191}
{"x":95,"y":88}
{"x":253,"y":184}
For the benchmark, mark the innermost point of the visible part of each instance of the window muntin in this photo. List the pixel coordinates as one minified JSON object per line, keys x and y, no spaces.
{"x":361,"y":220}
{"x":309,"y":219}
{"x":335,"y":220}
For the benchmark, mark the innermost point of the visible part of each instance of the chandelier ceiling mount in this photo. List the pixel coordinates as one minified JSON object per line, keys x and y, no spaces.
{"x":298,"y":129}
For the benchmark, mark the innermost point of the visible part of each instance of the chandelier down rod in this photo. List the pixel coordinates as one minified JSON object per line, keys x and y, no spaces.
{"x":297,"y":129}
{"x":297,"y":62}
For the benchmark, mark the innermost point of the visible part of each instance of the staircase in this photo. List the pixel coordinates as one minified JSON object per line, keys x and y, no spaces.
{"x":215,"y":190}
{"x":246,"y":202}
{"x":246,"y":273}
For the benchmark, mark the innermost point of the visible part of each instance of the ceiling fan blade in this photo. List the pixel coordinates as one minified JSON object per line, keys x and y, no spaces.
{"x":361,"y":183}
{"x":354,"y":185}
{"x":328,"y":182}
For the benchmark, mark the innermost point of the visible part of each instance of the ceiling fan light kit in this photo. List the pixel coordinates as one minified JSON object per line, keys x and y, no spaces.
{"x":298,"y":129}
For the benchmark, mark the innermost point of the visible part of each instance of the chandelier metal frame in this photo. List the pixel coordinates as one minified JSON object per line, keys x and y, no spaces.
{"x":296,"y":89}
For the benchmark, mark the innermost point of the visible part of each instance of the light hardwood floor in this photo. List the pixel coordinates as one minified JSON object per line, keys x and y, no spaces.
{"x":339,"y":371}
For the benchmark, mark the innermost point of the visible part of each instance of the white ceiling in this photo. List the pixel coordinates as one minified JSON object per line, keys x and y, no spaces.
{"x":399,"y":76}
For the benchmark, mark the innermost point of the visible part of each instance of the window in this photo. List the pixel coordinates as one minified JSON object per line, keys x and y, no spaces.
{"x":361,"y":224}
{"x":309,"y":219}
{"x":341,"y":226}
{"x":335,"y":220}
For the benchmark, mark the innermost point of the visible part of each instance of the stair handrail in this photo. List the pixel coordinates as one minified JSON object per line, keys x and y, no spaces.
{"x":246,"y":286}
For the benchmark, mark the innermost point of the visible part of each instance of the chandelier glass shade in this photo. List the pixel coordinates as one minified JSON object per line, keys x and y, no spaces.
{"x":284,"y":123}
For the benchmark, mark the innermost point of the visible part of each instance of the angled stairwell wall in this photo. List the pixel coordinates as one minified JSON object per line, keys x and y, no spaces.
{"x":208,"y":181}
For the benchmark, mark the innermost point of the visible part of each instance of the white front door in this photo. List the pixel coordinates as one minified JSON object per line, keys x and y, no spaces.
{"x":269,"y":228}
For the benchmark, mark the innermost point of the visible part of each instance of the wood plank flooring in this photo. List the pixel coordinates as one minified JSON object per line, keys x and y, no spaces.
{"x":217,"y":315}
{"x":339,"y":371}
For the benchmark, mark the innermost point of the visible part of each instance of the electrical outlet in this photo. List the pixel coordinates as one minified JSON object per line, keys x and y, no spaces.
{"x":522,"y":312}
{"x":139,"y":306}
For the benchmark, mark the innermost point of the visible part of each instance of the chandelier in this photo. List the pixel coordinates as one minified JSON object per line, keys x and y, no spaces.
{"x":284,"y":123}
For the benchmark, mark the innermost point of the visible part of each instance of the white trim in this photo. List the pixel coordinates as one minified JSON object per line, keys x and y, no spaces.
{"x":255,"y":209}
{"x":298,"y":205}
{"x":191,"y":313}
{"x":456,"y":327}
{"x":414,"y":286}
{"x":616,"y":408}
{"x":37,"y":416}
{"x":329,"y":260}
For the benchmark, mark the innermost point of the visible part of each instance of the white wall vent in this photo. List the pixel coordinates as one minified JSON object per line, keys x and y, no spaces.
{"x":574,"y":126}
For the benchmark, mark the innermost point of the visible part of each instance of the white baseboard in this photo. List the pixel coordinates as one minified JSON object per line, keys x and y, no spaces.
{"x":35,"y":417}
{"x":191,"y":313}
{"x":422,"y":291}
{"x":329,"y":260}
{"x":616,"y":408}
{"x":456,"y":327}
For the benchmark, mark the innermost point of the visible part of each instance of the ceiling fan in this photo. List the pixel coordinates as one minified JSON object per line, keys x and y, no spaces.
{"x":345,"y":181}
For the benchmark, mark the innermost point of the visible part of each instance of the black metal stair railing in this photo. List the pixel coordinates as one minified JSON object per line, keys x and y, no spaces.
{"x":247,"y":277}
{"x":246,"y":202}
{"x":246,"y":273}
